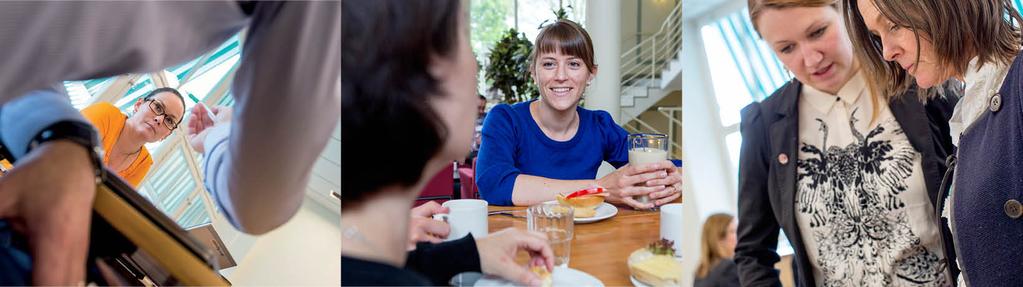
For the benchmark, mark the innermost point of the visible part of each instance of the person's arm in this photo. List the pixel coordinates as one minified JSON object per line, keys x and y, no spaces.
{"x":493,"y":254}
{"x":49,"y":191}
{"x":288,"y":93}
{"x":755,"y":253}
{"x":441,"y":261}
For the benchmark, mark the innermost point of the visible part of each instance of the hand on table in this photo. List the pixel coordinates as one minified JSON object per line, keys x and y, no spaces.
{"x":497,"y":254}
{"x":48,"y":197}
{"x":422,"y":227}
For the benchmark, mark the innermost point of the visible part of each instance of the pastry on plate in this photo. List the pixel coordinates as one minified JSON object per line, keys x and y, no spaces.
{"x":545,"y":276}
{"x":656,"y":264}
{"x":585,"y":202}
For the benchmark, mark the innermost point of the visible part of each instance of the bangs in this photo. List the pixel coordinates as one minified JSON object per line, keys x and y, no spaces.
{"x":567,"y":39}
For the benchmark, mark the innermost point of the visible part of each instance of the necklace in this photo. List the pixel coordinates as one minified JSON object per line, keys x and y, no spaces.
{"x":353,"y":233}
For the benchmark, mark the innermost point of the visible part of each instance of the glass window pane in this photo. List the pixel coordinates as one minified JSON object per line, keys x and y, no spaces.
{"x":734,"y":143}
{"x":731,"y":97}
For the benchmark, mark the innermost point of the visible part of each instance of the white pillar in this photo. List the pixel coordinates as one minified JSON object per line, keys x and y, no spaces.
{"x":603,"y":22}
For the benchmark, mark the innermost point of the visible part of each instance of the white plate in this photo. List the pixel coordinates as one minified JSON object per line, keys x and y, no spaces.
{"x":604,"y":211}
{"x":637,"y":283}
{"x":562,"y":276}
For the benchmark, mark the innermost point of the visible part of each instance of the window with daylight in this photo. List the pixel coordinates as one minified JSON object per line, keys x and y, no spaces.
{"x":743,"y":69}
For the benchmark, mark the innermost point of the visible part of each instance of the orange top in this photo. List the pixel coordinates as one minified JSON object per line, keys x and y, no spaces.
{"x":110,"y":121}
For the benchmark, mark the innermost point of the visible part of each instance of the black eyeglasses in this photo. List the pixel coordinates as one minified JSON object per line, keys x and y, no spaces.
{"x":158,"y":108}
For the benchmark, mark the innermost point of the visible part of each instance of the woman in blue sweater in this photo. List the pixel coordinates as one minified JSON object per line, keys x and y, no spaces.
{"x":534,"y":150}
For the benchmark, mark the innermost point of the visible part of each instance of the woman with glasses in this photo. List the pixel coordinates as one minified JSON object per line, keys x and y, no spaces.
{"x":155,"y":116}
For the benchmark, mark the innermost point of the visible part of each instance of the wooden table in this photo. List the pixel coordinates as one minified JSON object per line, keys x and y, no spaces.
{"x":599,"y":248}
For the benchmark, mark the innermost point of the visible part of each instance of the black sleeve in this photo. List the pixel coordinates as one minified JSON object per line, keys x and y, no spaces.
{"x":758,"y":230}
{"x":441,"y":261}
{"x":939,"y":110}
{"x":730,"y":274}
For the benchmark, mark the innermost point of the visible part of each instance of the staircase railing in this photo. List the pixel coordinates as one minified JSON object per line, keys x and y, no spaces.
{"x":674,"y":139}
{"x":646,"y":59}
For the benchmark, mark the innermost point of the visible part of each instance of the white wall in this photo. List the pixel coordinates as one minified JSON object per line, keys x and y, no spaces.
{"x":710,"y":186}
{"x":653,"y":14}
{"x":304,"y":251}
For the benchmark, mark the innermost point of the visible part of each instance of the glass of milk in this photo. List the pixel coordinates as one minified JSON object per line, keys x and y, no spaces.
{"x":647,"y":148}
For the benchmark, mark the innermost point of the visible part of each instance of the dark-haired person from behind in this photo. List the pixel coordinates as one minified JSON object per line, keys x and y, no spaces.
{"x":154,"y":117}
{"x":408,"y":107}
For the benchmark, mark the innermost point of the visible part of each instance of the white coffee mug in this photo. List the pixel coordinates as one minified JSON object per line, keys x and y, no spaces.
{"x":465,"y":216}
{"x":671,"y":225}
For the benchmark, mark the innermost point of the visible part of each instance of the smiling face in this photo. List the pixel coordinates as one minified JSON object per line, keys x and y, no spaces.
{"x":900,"y":46}
{"x":562,"y":65}
{"x":562,"y":79}
{"x":812,"y":43}
{"x":147,"y":121}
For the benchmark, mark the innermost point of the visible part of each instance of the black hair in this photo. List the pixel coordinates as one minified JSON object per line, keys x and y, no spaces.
{"x":389,"y":130}
{"x":174,"y":91}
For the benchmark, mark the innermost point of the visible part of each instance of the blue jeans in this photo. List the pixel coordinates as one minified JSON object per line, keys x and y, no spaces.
{"x":15,"y":264}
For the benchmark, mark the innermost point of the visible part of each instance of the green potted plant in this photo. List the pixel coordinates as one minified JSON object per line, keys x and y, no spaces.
{"x":508,"y":68}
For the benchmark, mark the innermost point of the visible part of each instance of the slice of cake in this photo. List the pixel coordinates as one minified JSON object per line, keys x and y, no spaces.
{"x":656,"y":265}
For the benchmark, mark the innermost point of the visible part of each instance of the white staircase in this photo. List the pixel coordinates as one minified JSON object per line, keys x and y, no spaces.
{"x":653,"y":68}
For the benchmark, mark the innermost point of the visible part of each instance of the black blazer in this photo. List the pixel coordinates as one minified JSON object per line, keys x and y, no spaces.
{"x":767,"y":186}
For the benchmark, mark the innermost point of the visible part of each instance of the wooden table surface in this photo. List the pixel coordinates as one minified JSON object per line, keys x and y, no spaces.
{"x":600,"y":248}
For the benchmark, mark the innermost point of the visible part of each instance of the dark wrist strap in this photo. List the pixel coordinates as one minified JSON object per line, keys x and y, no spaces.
{"x":77,"y":132}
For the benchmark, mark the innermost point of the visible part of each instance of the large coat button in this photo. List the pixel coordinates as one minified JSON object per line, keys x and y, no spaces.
{"x":1013,"y":208}
{"x":783,"y":158}
{"x":996,"y":103}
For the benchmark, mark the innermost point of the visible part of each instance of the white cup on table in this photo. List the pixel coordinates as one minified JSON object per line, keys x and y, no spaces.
{"x":671,"y":225}
{"x":465,"y":216}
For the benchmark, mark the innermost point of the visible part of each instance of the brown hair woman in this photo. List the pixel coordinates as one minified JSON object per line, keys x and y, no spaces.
{"x":976,"y":42}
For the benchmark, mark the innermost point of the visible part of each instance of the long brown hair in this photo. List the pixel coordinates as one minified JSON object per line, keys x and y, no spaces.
{"x":958,"y":31}
{"x":714,"y":229}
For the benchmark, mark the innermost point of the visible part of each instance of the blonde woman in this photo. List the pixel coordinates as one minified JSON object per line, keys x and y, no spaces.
{"x":717,"y":246}
{"x":849,"y":175}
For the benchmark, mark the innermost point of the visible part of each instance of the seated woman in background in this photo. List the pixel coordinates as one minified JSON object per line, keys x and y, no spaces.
{"x":534,"y":150}
{"x":155,"y":116}
{"x":408,"y":105}
{"x":717,"y":246}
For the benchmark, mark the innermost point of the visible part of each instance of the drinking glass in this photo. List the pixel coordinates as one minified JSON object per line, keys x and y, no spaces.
{"x":647,"y":148}
{"x":558,"y":223}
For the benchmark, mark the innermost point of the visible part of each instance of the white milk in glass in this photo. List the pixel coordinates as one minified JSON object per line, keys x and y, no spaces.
{"x":646,"y":155}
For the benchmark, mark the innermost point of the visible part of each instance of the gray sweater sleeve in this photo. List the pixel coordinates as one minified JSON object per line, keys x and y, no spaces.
{"x":22,"y":118}
{"x":288,"y":101}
